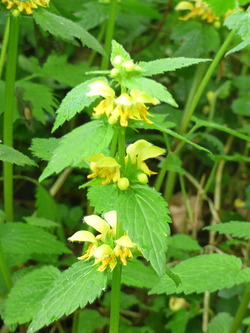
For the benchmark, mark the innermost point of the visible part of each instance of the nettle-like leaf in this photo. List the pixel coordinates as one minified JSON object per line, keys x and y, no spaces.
{"x":183,"y":242}
{"x":25,"y":297}
{"x":144,"y":215}
{"x":90,"y":320}
{"x":221,"y":323}
{"x":46,"y":205}
{"x":26,"y":239}
{"x":103,"y":198}
{"x":40,"y":97}
{"x":234,"y":228}
{"x":205,"y":272}
{"x":82,"y":142}
{"x":77,"y":286}
{"x":13,"y":156}
{"x":44,"y":148}
{"x":74,"y":102}
{"x":220,"y":7}
{"x":240,"y":46}
{"x":223,"y":128}
{"x":136,"y":274}
{"x":66,"y":29}
{"x":150,"y":87}
{"x":118,"y":50}
{"x":41,"y":222}
{"x":167,"y":65}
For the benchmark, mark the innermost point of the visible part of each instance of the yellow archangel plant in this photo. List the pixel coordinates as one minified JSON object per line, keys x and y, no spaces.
{"x":197,"y":8}
{"x":104,"y":247}
{"x":125,"y":107}
{"x":26,"y":6}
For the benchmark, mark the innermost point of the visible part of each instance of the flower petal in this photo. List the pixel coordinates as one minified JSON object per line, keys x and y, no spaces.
{"x":98,"y":224}
{"x":82,"y":236}
{"x":111,"y":218}
{"x":101,"y":88}
{"x":125,"y":241}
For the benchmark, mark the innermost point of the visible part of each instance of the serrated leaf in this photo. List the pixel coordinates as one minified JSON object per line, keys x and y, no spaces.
{"x":166,"y":65}
{"x":82,"y":142}
{"x":204,"y":123}
{"x":234,"y":228}
{"x":41,"y":222}
{"x":240,"y":22}
{"x":205,"y":272}
{"x":75,"y":101}
{"x":44,"y":148}
{"x":183,"y":242}
{"x":118,"y":50}
{"x":180,"y":137}
{"x":13,"y":156}
{"x":103,"y":198}
{"x":66,"y":29}
{"x":220,"y":7}
{"x":25,"y":297}
{"x":40,"y":97}
{"x":221,"y":323}
{"x":46,"y":205}
{"x":146,"y":222}
{"x":136,"y":274}
{"x":27,"y":239}
{"x":90,"y":320}
{"x":240,"y":46}
{"x":150,"y":87}
{"x":77,"y":286}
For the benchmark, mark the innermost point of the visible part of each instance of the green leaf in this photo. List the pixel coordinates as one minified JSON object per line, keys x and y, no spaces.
{"x":46,"y":205}
{"x":240,"y":46}
{"x":150,"y":87}
{"x":40,"y":97}
{"x":136,"y":274}
{"x":25,"y":297}
{"x":27,"y":239}
{"x":13,"y":156}
{"x":220,"y":7}
{"x":103,"y":198}
{"x":204,"y":123}
{"x":234,"y":228}
{"x":240,"y":22}
{"x":205,"y":272}
{"x":66,"y":29}
{"x":44,"y":148}
{"x":118,"y":50}
{"x":89,"y":321}
{"x":82,"y":142}
{"x":241,"y":106}
{"x":194,"y":38}
{"x":234,"y":158}
{"x":168,"y":64}
{"x":180,"y":137}
{"x":77,"y":286}
{"x":41,"y":222}
{"x":221,"y":323}
{"x":75,"y":101}
{"x":144,"y":215}
{"x":183,"y":242}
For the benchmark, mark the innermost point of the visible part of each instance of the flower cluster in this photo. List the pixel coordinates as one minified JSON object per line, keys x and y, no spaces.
{"x":197,"y":9}
{"x":26,"y":6}
{"x":122,"y":108}
{"x":109,"y":170}
{"x":104,"y":247}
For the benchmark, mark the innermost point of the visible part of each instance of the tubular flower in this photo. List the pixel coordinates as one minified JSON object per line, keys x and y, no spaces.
{"x":140,"y":151}
{"x":26,"y":6}
{"x":122,"y":108}
{"x":103,"y":247}
{"x":198,"y":9}
{"x":105,"y":168}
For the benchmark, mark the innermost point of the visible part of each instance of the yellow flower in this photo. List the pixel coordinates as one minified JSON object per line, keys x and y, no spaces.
{"x":140,"y":151}
{"x":198,"y":9}
{"x":105,"y":168}
{"x":26,"y":6}
{"x":103,"y":247}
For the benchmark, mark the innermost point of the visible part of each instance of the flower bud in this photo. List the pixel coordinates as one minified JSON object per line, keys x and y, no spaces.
{"x":114,"y":72}
{"x":117,"y":60}
{"x":143,"y":178}
{"x":15,"y":13}
{"x":138,"y":68}
{"x":123,"y":184}
{"x":112,"y":120}
{"x":129,"y":65}
{"x":217,"y":24}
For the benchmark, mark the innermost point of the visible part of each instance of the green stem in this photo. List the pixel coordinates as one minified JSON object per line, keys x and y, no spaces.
{"x":4,"y":46}
{"x":202,"y":86}
{"x":4,"y":270}
{"x":8,"y":113}
{"x":99,"y":38}
{"x":121,"y":145}
{"x":115,"y":299}
{"x":109,"y":34}
{"x":162,"y":173}
{"x":114,"y":141}
{"x":241,"y":310}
